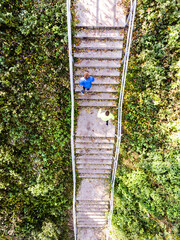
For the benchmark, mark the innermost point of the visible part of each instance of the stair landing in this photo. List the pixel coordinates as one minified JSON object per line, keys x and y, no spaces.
{"x":100,"y":13}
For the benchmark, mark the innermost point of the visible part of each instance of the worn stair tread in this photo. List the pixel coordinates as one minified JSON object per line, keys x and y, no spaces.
{"x":93,"y":140}
{"x":89,"y":170}
{"x":94,"y":145}
{"x":95,"y":176}
{"x":91,"y":218}
{"x":92,"y":222}
{"x":91,"y":103}
{"x":91,"y":215}
{"x":94,"y":167}
{"x":92,"y":201}
{"x":98,"y":54}
{"x":101,"y":26}
{"x":102,"y":80}
{"x":95,"y":156}
{"x":99,"y":38}
{"x":99,"y":44}
{"x":97,"y":95}
{"x":107,"y":72}
{"x":94,"y":151}
{"x":100,"y":226}
{"x":99,"y":48}
{"x":104,"y":221}
{"x":90,"y":204}
{"x":92,"y":209}
{"x":98,"y":63}
{"x":95,"y":88}
{"x":94,"y":162}
{"x":98,"y":72}
{"x":91,"y":226}
{"x":96,"y":210}
{"x":87,"y":217}
{"x":85,"y":220}
{"x":95,"y":220}
{"x":100,"y":33}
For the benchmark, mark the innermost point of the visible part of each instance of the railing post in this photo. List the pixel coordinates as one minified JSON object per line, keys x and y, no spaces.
{"x":68,"y":2}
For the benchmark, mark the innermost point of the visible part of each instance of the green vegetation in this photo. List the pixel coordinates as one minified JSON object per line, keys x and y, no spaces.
{"x":35,"y":165}
{"x":147,"y":193}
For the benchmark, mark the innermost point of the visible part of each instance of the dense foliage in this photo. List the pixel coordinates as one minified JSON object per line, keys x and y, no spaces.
{"x":147,"y":188}
{"x":35,"y":164}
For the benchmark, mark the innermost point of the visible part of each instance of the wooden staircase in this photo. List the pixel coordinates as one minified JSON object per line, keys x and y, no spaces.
{"x":99,"y":51}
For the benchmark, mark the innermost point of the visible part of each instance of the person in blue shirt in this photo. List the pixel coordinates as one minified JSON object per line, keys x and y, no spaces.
{"x":86,"y":81}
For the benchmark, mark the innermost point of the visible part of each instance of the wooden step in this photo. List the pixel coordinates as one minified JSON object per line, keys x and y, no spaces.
{"x":92,"y":209}
{"x":94,"y":145}
{"x":94,"y":171}
{"x":91,"y":226}
{"x":94,"y":161}
{"x":94,"y":176}
{"x":94,"y":140}
{"x":92,"y":221}
{"x":99,"y":201}
{"x":94,"y":151}
{"x":93,"y":215}
{"x":107,"y":72}
{"x":96,"y":95}
{"x":102,"y":26}
{"x":96,"y":103}
{"x":102,"y":80}
{"x":89,"y":206}
{"x":95,"y":156}
{"x":101,"y":34}
{"x":98,"y":63}
{"x":100,"y":44}
{"x":91,"y":166}
{"x":98,"y":54}
{"x":100,"y":89}
{"x":93,"y":203}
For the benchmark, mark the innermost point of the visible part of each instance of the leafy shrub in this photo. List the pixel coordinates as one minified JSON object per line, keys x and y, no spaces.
{"x":147,"y":186}
{"x":36,"y":181}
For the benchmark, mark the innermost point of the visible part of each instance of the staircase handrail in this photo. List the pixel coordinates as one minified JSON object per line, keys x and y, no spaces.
{"x":131,"y":12}
{"x":119,"y":133}
{"x":68,"y":4}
